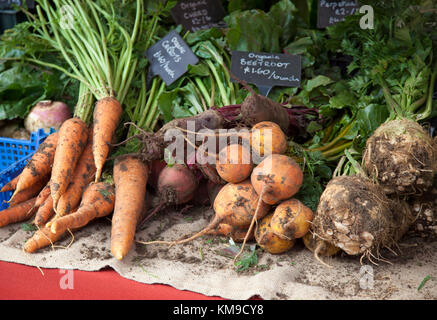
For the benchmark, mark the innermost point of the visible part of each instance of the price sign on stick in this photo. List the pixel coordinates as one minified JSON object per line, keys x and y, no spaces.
{"x":195,"y":15}
{"x":330,"y":12}
{"x":169,"y":58}
{"x":267,"y":70}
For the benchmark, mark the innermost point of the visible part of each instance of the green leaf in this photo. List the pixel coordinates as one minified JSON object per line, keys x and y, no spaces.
{"x":284,"y":14}
{"x":28,"y":227}
{"x":370,"y":118}
{"x":249,"y":260}
{"x":166,"y":103}
{"x":424,"y":281}
{"x":317,"y":82}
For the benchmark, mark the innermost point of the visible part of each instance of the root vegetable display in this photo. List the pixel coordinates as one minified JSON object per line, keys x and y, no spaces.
{"x":276,"y":178}
{"x":267,"y":239}
{"x":130,"y":179}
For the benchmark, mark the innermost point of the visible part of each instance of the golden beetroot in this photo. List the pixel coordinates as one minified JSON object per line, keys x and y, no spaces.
{"x":234,"y":163}
{"x":278,"y":177}
{"x":267,"y":239}
{"x":268,"y":138}
{"x":236,"y":205}
{"x":291,"y":219}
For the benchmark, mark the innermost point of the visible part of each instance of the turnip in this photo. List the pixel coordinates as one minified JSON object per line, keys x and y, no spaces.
{"x":402,"y":156}
{"x":47,"y":114}
{"x":355,"y":215}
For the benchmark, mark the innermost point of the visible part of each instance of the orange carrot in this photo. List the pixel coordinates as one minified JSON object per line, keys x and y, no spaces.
{"x":39,"y":165}
{"x":28,"y":193}
{"x":130,"y":178}
{"x":42,"y":196}
{"x":18,"y":213}
{"x":97,"y":201}
{"x":83,"y":176}
{"x":107,"y":114}
{"x":73,"y":137}
{"x":44,"y":213}
{"x":11,"y":185}
{"x":41,"y":239}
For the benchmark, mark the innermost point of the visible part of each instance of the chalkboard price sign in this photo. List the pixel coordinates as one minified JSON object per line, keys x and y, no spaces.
{"x":170,"y":57}
{"x":196,"y":15}
{"x":8,"y":4}
{"x":330,"y":11}
{"x":267,"y":70}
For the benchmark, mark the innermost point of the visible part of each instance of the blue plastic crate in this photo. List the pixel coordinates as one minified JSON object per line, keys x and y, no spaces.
{"x":14,"y":155}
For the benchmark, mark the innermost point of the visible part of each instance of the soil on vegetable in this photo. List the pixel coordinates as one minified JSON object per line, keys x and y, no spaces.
{"x":402,"y":161}
{"x":409,"y":272}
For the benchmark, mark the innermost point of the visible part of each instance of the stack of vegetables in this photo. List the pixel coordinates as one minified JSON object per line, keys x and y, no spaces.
{"x":347,"y":154}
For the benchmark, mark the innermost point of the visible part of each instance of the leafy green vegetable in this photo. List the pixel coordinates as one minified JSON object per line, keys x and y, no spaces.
{"x":260,"y":31}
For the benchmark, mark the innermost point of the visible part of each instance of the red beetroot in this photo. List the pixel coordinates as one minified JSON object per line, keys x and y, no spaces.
{"x":176,"y":185}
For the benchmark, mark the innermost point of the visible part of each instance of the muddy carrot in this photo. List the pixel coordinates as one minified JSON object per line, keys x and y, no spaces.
{"x":73,"y":137}
{"x":130,"y":178}
{"x":97,"y":201}
{"x":18,"y":213}
{"x":106,"y":117}
{"x":39,"y":165}
{"x":83,"y":176}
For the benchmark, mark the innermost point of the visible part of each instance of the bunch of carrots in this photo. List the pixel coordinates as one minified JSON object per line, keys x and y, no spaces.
{"x":59,"y":190}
